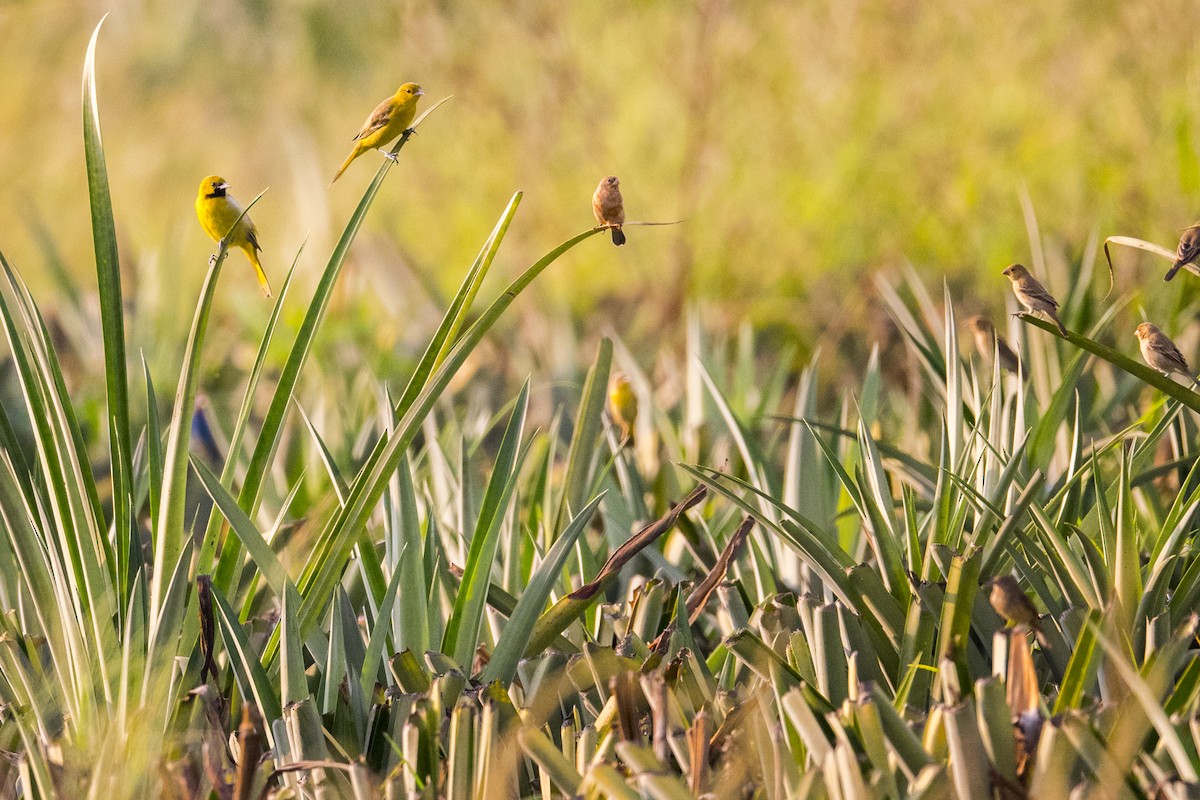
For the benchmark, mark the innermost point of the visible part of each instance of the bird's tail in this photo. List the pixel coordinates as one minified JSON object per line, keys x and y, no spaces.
{"x":1178,"y":265}
{"x":252,"y":254}
{"x":1054,"y":316}
{"x":353,"y":155}
{"x":618,"y":236}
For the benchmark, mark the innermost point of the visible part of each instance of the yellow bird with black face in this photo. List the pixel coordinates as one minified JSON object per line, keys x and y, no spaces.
{"x":218,"y":212}
{"x":389,"y":119}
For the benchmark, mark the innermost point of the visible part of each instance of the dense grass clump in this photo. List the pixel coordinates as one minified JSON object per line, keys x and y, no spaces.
{"x":769,"y":589}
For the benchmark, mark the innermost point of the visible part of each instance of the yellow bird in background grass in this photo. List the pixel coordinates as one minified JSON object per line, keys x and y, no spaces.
{"x":622,"y":405}
{"x":389,"y":119}
{"x":218,"y":211}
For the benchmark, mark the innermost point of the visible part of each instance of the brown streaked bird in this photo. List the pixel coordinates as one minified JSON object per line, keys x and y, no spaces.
{"x":1012,"y":604}
{"x":609,"y":207}
{"x":1033,"y":295}
{"x":988,"y":341}
{"x":1187,"y":252}
{"x":1160,"y":352}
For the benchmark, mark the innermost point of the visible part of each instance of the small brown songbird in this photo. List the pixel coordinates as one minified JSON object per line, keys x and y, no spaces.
{"x":1033,"y":295}
{"x":609,"y":208}
{"x":1011,"y":603}
{"x":988,"y":341}
{"x":1160,"y":352}
{"x":1188,"y":251}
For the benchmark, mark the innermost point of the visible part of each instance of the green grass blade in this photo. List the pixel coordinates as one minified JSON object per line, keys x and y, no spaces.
{"x":112,"y":323}
{"x":462,"y":629}
{"x":515,"y":637}
{"x":169,"y":533}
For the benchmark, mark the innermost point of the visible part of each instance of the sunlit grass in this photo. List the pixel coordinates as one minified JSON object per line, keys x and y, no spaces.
{"x":412,"y":583}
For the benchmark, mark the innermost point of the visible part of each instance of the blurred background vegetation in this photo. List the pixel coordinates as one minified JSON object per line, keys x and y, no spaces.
{"x":807,"y":144}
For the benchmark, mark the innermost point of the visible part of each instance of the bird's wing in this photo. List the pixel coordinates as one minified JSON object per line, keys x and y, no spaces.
{"x":379,"y":117}
{"x":1038,"y":292}
{"x":1189,"y":248}
{"x":1167,"y":348}
{"x":252,"y":237}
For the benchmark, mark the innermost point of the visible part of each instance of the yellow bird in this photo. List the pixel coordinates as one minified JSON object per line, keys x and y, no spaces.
{"x":389,"y":119}
{"x":622,"y":405}
{"x":218,"y":212}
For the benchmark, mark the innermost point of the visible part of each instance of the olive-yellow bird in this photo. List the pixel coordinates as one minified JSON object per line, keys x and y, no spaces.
{"x":218,"y":212}
{"x":1011,"y":603}
{"x":389,"y":119}
{"x":622,"y":405}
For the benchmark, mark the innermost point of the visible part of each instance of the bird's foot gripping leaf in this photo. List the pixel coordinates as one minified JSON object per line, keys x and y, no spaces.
{"x":389,"y":155}
{"x":212,"y":259}
{"x":409,"y":132}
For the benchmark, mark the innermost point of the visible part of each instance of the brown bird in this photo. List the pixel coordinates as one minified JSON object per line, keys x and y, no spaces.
{"x":987,"y":342}
{"x":609,"y":207}
{"x":1011,"y":603}
{"x":1033,"y":295}
{"x":1188,"y":251}
{"x":1160,"y":352}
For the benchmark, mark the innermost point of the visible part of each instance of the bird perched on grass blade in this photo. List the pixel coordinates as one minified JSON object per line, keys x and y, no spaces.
{"x":1188,"y":251}
{"x":989,"y":342}
{"x":1033,"y":295}
{"x":622,"y":405}
{"x":1160,"y":352}
{"x":218,"y":212}
{"x":609,"y":207}
{"x":1012,"y":604}
{"x":389,"y":119}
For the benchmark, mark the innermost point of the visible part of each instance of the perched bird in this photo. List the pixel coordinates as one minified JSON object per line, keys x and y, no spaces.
{"x":1188,"y":251}
{"x":389,"y":119}
{"x":987,"y":342}
{"x":609,"y":208}
{"x":218,"y":212}
{"x":1033,"y":295}
{"x":1011,"y":603}
{"x":622,"y":404}
{"x":1160,"y":352}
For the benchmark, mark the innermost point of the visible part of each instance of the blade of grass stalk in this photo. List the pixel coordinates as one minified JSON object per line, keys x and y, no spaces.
{"x":516,"y":634}
{"x":251,"y":677}
{"x":1147,"y":698}
{"x":72,"y":522}
{"x":587,"y":429}
{"x":112,"y":324}
{"x":462,"y":629}
{"x":154,"y":457}
{"x":373,"y":658}
{"x":233,"y":457}
{"x":169,"y":533}
{"x":413,"y":624}
{"x":293,"y":686}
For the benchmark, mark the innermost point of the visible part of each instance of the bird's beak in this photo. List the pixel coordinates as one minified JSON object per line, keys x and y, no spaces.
{"x":420,"y":93}
{"x":221,"y":186}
